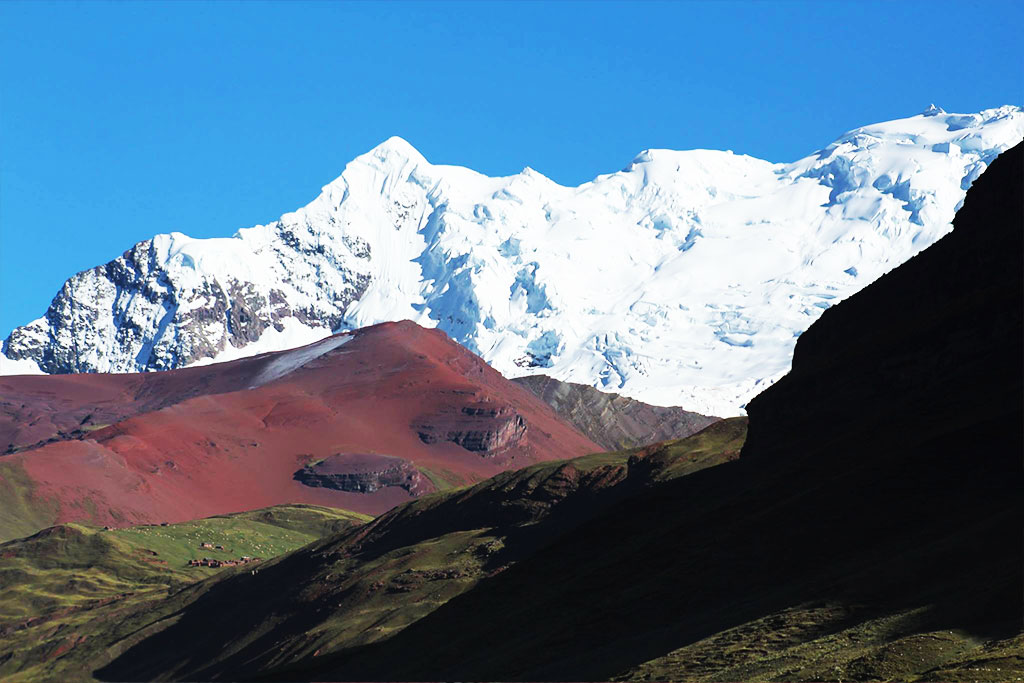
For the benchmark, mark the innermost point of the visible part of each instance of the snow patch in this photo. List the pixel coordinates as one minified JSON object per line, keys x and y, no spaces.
{"x":290,"y":361}
{"x":18,"y":367}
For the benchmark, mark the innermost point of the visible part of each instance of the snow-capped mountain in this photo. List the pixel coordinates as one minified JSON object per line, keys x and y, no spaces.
{"x":683,"y":279}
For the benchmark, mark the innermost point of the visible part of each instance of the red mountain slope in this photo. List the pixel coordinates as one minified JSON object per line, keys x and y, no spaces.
{"x":362,"y":421}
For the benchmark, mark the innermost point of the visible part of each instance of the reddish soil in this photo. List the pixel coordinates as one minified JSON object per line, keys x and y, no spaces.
{"x":200,"y":441}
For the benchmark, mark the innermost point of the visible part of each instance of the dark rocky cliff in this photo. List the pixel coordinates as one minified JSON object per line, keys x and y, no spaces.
{"x":486,"y":428}
{"x":934,"y":344}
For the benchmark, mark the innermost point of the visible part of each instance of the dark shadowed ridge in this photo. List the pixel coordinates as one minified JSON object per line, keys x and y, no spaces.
{"x":870,"y":530}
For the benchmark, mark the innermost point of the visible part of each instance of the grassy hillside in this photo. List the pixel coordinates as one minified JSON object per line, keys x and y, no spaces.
{"x":351,"y":589}
{"x":609,"y":566}
{"x":21,"y":513}
{"x":59,"y":586}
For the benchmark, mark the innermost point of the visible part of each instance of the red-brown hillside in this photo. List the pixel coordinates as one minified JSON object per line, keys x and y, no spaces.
{"x":362,"y":421}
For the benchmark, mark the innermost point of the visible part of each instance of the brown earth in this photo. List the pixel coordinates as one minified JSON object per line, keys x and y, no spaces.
{"x":614,"y":421}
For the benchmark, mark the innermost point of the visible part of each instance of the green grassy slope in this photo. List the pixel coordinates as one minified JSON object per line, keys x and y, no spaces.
{"x":21,"y":513}
{"x":577,"y":567}
{"x":264,"y":533}
{"x":59,"y":586}
{"x":737,"y":573}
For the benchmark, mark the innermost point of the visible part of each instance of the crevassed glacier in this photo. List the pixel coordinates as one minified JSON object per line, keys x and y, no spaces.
{"x":683,"y":279}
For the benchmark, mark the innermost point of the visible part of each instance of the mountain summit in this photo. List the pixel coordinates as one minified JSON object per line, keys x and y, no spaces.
{"x":362,"y":421}
{"x":683,"y":279}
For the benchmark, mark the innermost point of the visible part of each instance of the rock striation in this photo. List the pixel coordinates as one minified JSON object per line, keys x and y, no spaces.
{"x":613,"y":421}
{"x":365,"y":473}
{"x":486,"y":428}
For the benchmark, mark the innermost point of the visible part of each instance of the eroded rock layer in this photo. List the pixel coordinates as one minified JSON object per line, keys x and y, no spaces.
{"x":365,"y":473}
{"x":486,"y":428}
{"x":612,"y":420}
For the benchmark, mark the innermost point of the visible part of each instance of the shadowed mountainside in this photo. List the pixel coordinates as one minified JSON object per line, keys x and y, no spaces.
{"x":611,"y":420}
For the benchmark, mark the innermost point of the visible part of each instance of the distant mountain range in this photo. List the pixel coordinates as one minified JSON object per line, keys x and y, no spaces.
{"x":683,"y":279}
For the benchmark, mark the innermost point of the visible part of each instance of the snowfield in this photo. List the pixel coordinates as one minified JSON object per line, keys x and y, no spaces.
{"x":683,"y":279}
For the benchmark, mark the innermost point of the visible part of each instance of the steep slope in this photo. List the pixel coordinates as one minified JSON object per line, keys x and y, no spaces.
{"x":612,"y":421}
{"x":362,"y":421}
{"x":38,"y":410}
{"x":869,"y":530}
{"x":683,"y":279}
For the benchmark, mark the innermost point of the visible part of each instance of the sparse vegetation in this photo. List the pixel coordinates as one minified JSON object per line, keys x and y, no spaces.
{"x":66,"y":587}
{"x":21,"y":513}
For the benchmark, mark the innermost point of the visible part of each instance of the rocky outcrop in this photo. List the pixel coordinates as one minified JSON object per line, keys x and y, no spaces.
{"x":613,"y":421}
{"x":152,"y":309}
{"x":486,"y":428}
{"x":365,"y":473}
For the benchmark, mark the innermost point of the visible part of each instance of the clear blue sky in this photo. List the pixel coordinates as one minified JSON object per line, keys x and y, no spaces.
{"x":123,"y":120}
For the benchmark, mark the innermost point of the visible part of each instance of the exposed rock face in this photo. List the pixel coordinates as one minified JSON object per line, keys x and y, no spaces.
{"x":365,"y":473}
{"x":486,"y":428}
{"x":611,"y":420}
{"x":167,"y":314}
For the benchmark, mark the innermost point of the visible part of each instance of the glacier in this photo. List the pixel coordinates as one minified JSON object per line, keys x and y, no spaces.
{"x":683,"y":279}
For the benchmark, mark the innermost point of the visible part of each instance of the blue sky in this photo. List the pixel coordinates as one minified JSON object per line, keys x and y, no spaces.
{"x":122,"y":120}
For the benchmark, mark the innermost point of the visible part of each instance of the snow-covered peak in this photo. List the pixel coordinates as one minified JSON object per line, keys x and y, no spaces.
{"x":936,"y":127}
{"x":394,"y":158}
{"x":532,"y":173}
{"x":683,"y":279}
{"x":395,"y":148}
